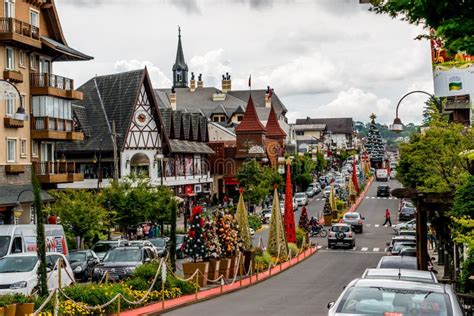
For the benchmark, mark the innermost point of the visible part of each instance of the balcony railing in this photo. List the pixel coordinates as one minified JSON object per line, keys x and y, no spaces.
{"x":57,"y":172}
{"x":11,"y":25}
{"x":46,"y":80}
{"x":46,"y":123}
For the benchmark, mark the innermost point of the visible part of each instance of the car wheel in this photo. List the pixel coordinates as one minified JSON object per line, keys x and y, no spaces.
{"x":361,"y":230}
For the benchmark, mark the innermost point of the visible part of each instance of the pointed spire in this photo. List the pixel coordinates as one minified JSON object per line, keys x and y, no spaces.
{"x":180,"y":68}
{"x":273,"y":127}
{"x":250,"y":122}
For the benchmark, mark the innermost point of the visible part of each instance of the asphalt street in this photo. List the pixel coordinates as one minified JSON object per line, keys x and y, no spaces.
{"x":307,"y":288}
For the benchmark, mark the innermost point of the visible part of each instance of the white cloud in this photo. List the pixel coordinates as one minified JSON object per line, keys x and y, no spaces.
{"x":158,"y":78}
{"x":212,"y":65}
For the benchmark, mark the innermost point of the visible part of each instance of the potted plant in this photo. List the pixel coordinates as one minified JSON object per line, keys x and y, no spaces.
{"x":228,"y":238}
{"x":327,"y":213}
{"x":24,"y":305}
{"x":214,"y":247}
{"x":7,"y":303}
{"x":196,"y":248}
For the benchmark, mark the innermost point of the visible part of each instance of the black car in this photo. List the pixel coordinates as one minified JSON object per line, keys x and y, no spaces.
{"x":383,"y":191}
{"x":120,"y":262}
{"x":83,"y":263}
{"x":160,"y":246}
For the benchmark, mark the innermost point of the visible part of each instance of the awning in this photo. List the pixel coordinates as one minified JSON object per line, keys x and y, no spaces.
{"x":188,"y":147}
{"x":231,"y":181}
{"x":66,"y":53}
{"x":9,"y":194}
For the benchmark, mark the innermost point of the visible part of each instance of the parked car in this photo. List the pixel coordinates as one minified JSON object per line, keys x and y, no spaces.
{"x":397,"y":262}
{"x":19,"y":272}
{"x":410,"y":225}
{"x":401,"y":274}
{"x":393,"y":174}
{"x":327,"y":191}
{"x":405,"y":232}
{"x":180,"y":244}
{"x":83,"y":263}
{"x":301,"y":198}
{"x":316,"y":187}
{"x":355,"y":220}
{"x":282,"y":205}
{"x":102,"y":246}
{"x":341,"y":234}
{"x":406,"y":213}
{"x":266,"y":215}
{"x":160,"y":246}
{"x":395,"y":245}
{"x":395,"y":297}
{"x":120,"y":262}
{"x":310,"y":191}
{"x":408,"y":251}
{"x":383,"y":191}
{"x":143,"y":243}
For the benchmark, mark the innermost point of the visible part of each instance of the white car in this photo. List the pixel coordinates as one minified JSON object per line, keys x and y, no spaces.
{"x":301,"y":198}
{"x":410,"y":225}
{"x":18,"y":272}
{"x":252,"y":232}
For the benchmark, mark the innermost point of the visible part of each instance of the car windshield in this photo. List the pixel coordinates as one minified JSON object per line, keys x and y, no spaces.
{"x":4,"y":243}
{"x":340,"y":229}
{"x":17,"y":264}
{"x":77,"y":257}
{"x":386,"y":301}
{"x":103,"y":247}
{"x":158,"y":242}
{"x":123,"y":255}
{"x":399,"y":263}
{"x":402,"y":245}
{"x":300,"y":195}
{"x":351,"y":216}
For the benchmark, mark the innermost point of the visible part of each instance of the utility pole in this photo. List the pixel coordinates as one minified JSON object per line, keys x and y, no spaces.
{"x":114,"y":144}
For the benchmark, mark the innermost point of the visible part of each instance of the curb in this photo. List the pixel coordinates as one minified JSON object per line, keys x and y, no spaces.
{"x":169,"y":305}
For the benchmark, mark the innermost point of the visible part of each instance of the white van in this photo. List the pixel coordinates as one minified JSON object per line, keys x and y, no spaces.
{"x":381,"y":175}
{"x":22,"y":238}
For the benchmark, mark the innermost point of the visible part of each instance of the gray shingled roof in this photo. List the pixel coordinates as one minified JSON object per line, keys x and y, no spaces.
{"x":342,"y":125}
{"x":184,"y":146}
{"x":9,"y":194}
{"x":258,"y":97}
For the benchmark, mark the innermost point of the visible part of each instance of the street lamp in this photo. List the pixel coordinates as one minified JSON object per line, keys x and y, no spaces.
{"x":8,"y":89}
{"x":397,"y":125}
{"x":17,"y":209}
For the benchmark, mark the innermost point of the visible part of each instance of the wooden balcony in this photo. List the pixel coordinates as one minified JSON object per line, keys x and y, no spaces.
{"x":13,"y":76}
{"x":57,"y":172}
{"x":12,"y":123}
{"x":14,"y":169}
{"x":51,"y":128}
{"x":49,"y":84}
{"x":19,"y":33}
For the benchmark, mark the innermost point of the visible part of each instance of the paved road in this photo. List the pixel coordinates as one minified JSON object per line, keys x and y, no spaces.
{"x":307,"y":288}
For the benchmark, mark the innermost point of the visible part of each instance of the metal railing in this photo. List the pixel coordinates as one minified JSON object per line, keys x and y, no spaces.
{"x":467,"y":302}
{"x":12,"y":25}
{"x":46,"y":123}
{"x":54,"y":167}
{"x":46,"y":80}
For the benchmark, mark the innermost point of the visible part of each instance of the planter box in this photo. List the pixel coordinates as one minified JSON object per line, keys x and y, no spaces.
{"x":14,"y":169}
{"x":249,"y":258}
{"x":12,"y":123}
{"x":224,"y":266}
{"x":232,"y":267}
{"x":10,"y":310}
{"x":327,"y":220}
{"x":13,"y":76}
{"x":190,"y":267}
{"x":214,"y":265}
{"x":25,"y":309}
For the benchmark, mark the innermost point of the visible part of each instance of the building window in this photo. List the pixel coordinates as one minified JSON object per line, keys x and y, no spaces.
{"x":9,"y":8}
{"x":52,"y":107}
{"x":33,"y":61}
{"x":23,"y":148}
{"x":34,"y":18}
{"x":10,"y":58}
{"x":34,"y":149}
{"x":11,"y":150}
{"x":222,"y":119}
{"x":240,"y":118}
{"x":299,"y":133}
{"x":10,"y":105}
{"x":215,"y":119}
{"x":21,"y":58}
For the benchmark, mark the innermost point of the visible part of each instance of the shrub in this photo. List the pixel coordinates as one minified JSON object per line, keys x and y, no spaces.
{"x":340,"y":205}
{"x":254,"y":222}
{"x":293,"y":249}
{"x":9,"y":299}
{"x":262,"y":261}
{"x":301,"y":235}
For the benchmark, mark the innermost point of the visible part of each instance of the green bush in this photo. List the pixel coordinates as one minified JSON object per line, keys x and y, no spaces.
{"x":264,"y":259}
{"x":293,"y":249}
{"x":255,"y":222}
{"x":300,"y":235}
{"x":340,"y":205}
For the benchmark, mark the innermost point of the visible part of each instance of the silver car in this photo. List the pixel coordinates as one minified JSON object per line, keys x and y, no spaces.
{"x":355,"y":220}
{"x":341,"y":234}
{"x":301,"y":198}
{"x":395,"y":297}
{"x":400,"y":274}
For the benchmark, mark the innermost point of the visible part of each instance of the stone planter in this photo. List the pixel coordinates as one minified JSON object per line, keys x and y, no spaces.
{"x":190,"y":267}
{"x":224,"y":266}
{"x":214,"y":266}
{"x":249,"y":258}
{"x":10,"y":310}
{"x":25,"y":309}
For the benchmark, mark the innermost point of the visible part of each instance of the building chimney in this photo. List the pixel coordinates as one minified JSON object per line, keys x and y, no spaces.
{"x":192,"y":86}
{"x":268,"y":97}
{"x":200,"y":82}
{"x":173,"y":99}
{"x":226,"y":83}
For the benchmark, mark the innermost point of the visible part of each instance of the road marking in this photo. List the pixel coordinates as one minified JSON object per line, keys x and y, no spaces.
{"x":364,"y":249}
{"x":355,"y":248}
{"x":376,"y":225}
{"x":367,"y":197}
{"x":375,"y":249}
{"x":367,"y":225}
{"x":373,"y":197}
{"x":378,"y":197}
{"x":319,"y":247}
{"x":390,"y":198}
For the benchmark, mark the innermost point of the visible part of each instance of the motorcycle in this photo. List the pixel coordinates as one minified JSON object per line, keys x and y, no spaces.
{"x":318,"y":231}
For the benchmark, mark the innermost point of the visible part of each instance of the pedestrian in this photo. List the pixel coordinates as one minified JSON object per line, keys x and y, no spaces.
{"x":231,"y":202}
{"x":139,"y":232}
{"x":146,"y":230}
{"x":387,"y":218}
{"x":225,"y":200}
{"x":432,"y":238}
{"x":151,"y":233}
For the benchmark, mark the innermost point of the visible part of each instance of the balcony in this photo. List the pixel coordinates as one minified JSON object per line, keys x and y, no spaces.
{"x":14,"y":169}
{"x":51,"y":128}
{"x":10,"y":122}
{"x":13,"y":76}
{"x":19,"y":32}
{"x":49,"y":84}
{"x":57,"y":172}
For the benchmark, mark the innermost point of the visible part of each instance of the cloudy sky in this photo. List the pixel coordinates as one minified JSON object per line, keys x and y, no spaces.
{"x":324,"y":58}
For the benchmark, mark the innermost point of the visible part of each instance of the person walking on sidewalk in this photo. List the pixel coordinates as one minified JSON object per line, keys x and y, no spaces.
{"x":387,"y":218}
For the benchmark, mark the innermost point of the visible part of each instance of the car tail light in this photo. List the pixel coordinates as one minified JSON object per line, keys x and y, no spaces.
{"x":350,"y":234}
{"x":341,"y":221}
{"x":360,"y":221}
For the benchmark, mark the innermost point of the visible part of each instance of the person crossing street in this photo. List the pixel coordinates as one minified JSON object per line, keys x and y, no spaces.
{"x":387,"y":218}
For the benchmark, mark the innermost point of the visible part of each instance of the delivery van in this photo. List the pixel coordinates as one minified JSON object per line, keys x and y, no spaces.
{"x":22,"y":238}
{"x":381,"y":175}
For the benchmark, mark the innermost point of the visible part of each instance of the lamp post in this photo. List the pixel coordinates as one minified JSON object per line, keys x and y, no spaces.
{"x":17,"y":209}
{"x":397,"y":125}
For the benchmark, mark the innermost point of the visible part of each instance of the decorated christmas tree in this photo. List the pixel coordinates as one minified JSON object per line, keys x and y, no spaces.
{"x":196,"y":243}
{"x":374,"y":145}
{"x":227,"y":232}
{"x":213,"y":244}
{"x":289,"y":219}
{"x":276,"y":244}
{"x":304,"y":220}
{"x":242,"y":218}
{"x":327,"y":207}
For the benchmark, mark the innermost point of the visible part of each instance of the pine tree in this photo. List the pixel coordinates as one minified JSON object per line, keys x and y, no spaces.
{"x":242,"y":218}
{"x":276,"y":243}
{"x":304,"y":221}
{"x":327,"y":207}
{"x":374,"y":144}
{"x":196,"y":244}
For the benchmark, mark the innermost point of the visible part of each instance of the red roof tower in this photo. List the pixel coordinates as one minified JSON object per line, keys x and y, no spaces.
{"x":250,"y":134}
{"x":274,"y":131}
{"x":250,"y":122}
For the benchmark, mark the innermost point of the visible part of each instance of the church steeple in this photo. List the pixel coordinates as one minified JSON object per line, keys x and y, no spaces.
{"x":180,"y":69}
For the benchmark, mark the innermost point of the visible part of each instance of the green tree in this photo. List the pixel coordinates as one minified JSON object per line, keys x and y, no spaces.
{"x":431,"y":161}
{"x":81,"y":213}
{"x":452,"y":20}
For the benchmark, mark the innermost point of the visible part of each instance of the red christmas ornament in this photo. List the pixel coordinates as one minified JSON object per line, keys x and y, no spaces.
{"x":289,"y":217}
